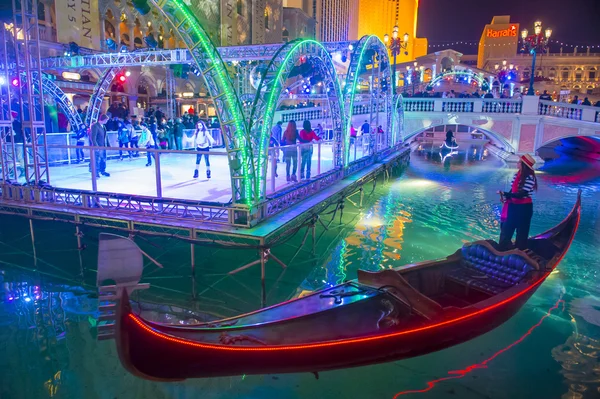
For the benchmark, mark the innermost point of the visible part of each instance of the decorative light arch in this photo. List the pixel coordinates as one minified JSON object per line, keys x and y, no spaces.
{"x":271,"y":88}
{"x":357,"y":60}
{"x":469,"y":74}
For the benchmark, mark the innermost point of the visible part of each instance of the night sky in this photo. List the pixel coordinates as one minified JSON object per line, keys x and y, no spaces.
{"x":572,"y":21}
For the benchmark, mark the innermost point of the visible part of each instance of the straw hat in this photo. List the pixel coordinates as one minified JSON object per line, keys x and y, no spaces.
{"x":528,"y":160}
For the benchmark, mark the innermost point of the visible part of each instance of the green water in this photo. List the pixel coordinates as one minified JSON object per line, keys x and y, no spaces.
{"x":47,"y":338}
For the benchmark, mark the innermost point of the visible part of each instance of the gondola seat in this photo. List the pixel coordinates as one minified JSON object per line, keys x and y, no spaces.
{"x":485,"y":268}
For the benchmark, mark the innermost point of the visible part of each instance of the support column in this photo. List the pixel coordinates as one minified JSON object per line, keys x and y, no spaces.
{"x":131,"y":27}
{"x":103,"y":33}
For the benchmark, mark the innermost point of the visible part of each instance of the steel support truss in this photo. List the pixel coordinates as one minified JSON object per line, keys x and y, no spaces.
{"x":162,"y":57}
{"x":31,"y":102}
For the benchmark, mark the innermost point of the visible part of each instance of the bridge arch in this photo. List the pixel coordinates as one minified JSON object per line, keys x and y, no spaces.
{"x":269,"y":95}
{"x":358,"y":59}
{"x":493,"y":135}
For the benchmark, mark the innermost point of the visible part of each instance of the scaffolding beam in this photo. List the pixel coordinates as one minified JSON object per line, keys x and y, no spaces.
{"x":263,"y":52}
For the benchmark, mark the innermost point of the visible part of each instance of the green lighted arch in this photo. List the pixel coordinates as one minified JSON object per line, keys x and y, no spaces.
{"x":470,"y":74}
{"x":271,"y":87}
{"x":358,"y":59}
{"x":205,"y":54}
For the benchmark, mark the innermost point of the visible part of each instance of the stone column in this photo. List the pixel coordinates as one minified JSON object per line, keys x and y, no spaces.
{"x":102,"y":33}
{"x":131,"y":27}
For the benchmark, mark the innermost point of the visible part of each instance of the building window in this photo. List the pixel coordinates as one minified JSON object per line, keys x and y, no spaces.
{"x":526,"y":73}
{"x":240,"y":7}
{"x":266,"y":18}
{"x":592,"y":74}
{"x":578,"y":74}
{"x":565,"y":74}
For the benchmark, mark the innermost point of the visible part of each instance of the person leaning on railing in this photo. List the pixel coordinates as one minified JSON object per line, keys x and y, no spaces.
{"x":307,"y":136}
{"x":290,"y":155}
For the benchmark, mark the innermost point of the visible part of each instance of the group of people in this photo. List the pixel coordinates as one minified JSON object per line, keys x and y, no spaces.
{"x":152,"y":132}
{"x":289,"y":138}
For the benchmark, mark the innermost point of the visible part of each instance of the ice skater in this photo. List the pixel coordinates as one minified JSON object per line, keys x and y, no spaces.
{"x":203,"y":140}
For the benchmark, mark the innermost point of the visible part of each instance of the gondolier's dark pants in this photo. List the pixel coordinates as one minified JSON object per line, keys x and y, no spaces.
{"x":519,"y":219}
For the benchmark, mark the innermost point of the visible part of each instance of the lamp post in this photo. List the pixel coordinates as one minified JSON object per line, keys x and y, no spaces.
{"x":395,"y":45}
{"x":535,"y":43}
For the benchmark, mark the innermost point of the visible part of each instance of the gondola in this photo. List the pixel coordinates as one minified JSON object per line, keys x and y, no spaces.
{"x":382,"y":316}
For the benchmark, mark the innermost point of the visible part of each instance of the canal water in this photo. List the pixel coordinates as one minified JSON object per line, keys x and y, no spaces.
{"x":550,"y":349}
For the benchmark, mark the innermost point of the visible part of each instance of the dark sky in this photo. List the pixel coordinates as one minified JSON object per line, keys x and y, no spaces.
{"x":572,"y":21}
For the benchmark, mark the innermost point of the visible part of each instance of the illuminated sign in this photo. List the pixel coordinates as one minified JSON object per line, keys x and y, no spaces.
{"x":508,"y":32}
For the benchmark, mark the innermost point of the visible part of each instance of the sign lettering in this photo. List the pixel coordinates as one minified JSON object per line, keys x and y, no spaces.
{"x":75,"y":22}
{"x":508,"y":32}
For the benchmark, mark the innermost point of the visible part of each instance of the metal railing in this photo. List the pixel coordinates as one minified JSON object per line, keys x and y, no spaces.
{"x":300,"y":168}
{"x":69,"y":154}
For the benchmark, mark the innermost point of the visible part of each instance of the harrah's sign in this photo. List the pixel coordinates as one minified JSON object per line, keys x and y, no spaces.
{"x":508,"y":32}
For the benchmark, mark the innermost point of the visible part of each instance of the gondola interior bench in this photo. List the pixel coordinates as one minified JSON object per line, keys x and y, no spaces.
{"x":488,"y":270}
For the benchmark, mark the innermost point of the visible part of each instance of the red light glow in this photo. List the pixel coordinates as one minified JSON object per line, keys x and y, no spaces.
{"x":15,"y":82}
{"x":456,"y":374}
{"x":122,"y":78}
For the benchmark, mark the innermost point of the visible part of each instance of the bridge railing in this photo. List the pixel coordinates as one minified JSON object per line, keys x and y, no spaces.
{"x":502,"y":105}
{"x":463,"y":105}
{"x":568,"y":111}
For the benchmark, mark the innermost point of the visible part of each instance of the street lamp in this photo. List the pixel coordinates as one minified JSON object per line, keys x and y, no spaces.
{"x":536,"y":43}
{"x":395,"y":45}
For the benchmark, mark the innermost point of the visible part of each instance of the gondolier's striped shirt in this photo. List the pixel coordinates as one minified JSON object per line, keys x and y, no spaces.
{"x":527,"y":187}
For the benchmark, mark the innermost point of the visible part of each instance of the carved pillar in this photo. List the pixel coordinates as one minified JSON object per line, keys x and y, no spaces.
{"x":131,"y":27}
{"x":102,"y":32}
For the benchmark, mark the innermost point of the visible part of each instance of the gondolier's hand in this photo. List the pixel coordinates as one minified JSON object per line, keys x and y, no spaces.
{"x":507,"y":195}
{"x":501,"y":195}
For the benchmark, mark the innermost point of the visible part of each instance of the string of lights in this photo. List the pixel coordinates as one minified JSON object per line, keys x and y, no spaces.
{"x":476,"y":43}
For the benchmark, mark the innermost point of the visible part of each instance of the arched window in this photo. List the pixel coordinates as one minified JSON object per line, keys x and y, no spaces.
{"x":578,"y":74}
{"x":266,"y":18}
{"x":552,"y":73}
{"x":41,"y":11}
{"x":240,"y":7}
{"x":564,"y":75}
{"x":526,"y":73}
{"x":592,"y":74}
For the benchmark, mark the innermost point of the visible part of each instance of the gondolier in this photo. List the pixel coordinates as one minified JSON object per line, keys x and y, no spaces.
{"x":518,"y":205}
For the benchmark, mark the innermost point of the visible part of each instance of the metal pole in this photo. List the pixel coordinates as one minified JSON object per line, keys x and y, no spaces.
{"x":262,"y":254}
{"x":193,"y":263}
{"x":532,"y":77}
{"x":319,"y":158}
{"x":93,"y":169}
{"x":273,"y":168}
{"x":158,"y":177}
{"x":394,"y":73}
{"x":33,"y":242}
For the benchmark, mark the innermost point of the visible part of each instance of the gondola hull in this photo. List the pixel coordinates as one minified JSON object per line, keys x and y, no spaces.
{"x":148,"y":353}
{"x":349,"y":325}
